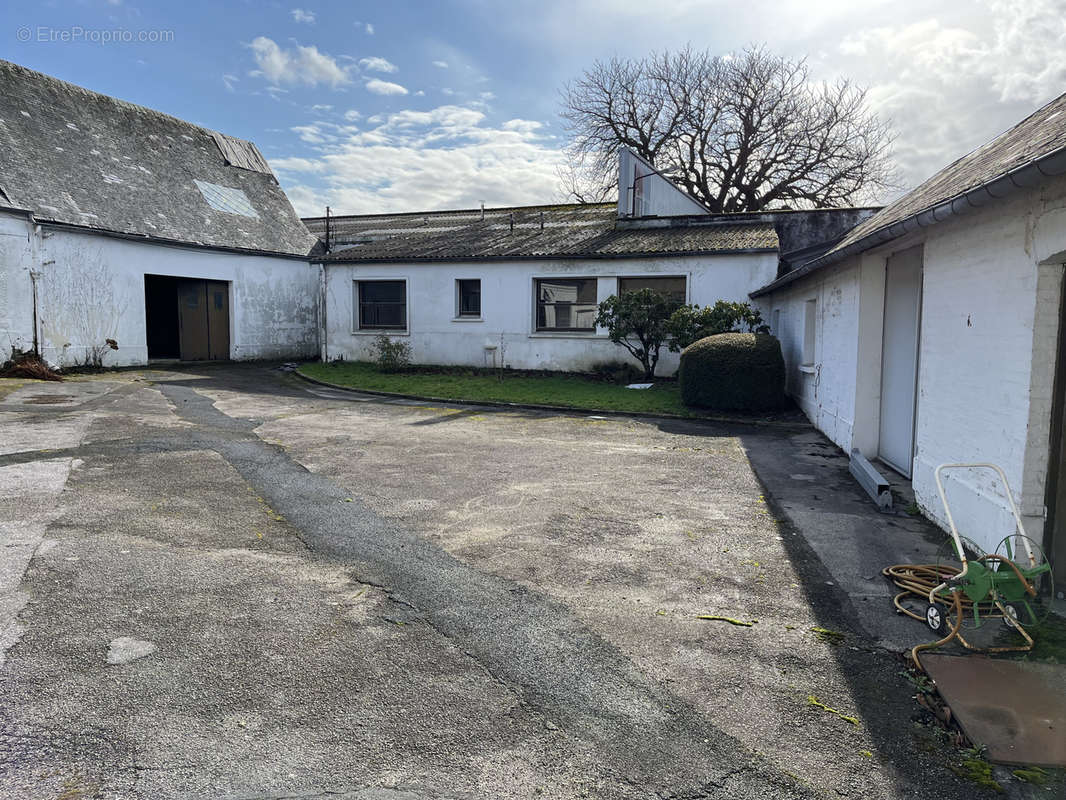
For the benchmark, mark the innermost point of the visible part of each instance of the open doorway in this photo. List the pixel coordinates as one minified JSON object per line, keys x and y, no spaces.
{"x":186,"y":318}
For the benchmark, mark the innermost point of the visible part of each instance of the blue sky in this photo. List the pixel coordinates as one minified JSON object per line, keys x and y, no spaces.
{"x":375,"y":107}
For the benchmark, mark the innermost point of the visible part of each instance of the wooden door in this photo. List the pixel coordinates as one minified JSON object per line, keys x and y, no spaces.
{"x":218,"y":320}
{"x":192,"y":320}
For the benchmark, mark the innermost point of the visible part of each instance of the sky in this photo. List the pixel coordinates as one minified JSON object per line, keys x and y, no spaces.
{"x":374,"y":107}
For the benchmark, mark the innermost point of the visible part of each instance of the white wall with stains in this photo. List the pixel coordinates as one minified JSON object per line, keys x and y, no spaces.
{"x":91,"y":288}
{"x":437,"y":336}
{"x":990,"y":315}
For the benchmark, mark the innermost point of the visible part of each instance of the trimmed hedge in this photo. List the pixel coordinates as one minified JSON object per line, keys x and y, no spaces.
{"x":733,"y":372}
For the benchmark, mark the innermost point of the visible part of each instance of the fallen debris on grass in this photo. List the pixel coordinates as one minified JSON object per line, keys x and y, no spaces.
{"x":829,"y":636}
{"x":814,"y":701}
{"x":28,"y":365}
{"x":730,"y":620}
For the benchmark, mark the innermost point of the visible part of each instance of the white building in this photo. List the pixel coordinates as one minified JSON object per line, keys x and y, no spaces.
{"x":522,"y":285}
{"x":124,"y":224}
{"x":932,"y":333}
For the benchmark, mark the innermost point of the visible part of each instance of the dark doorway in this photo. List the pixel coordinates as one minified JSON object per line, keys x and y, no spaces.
{"x":161,"y":316}
{"x":187,"y":318}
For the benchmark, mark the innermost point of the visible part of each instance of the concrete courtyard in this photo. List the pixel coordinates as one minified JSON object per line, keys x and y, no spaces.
{"x":224,"y":582}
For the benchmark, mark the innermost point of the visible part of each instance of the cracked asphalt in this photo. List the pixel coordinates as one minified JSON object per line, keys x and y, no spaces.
{"x":223,"y":582}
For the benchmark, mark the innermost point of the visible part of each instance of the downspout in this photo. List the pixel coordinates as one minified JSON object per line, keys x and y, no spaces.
{"x":34,"y":275}
{"x":323,"y":327}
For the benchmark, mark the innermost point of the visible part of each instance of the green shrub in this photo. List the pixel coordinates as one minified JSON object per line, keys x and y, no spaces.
{"x":689,"y":324}
{"x":391,"y":356}
{"x":637,"y":321}
{"x":616,"y":372}
{"x":733,"y":372}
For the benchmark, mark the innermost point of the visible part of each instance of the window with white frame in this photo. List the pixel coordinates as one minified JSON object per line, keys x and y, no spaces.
{"x":566,"y":304}
{"x":810,"y":330}
{"x":380,"y":305}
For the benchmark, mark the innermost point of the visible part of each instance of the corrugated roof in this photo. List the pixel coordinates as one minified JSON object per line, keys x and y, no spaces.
{"x":558,"y":231}
{"x":81,"y":158}
{"x":1037,"y":137}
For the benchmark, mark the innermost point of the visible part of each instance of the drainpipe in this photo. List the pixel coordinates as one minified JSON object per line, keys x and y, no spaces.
{"x":34,"y":275}
{"x":323,"y":327}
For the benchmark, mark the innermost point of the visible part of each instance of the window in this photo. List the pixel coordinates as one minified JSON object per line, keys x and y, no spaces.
{"x":469,"y":292}
{"x":777,"y":323}
{"x":638,"y":192}
{"x":566,"y":304}
{"x":382,"y":305}
{"x":673,"y":288}
{"x":810,"y":313}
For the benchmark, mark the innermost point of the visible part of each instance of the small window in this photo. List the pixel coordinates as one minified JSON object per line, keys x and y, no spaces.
{"x":673,"y":288}
{"x":566,"y":304}
{"x":638,"y":192}
{"x":810,"y":313}
{"x":469,"y":298}
{"x":382,"y":305}
{"x":777,"y":323}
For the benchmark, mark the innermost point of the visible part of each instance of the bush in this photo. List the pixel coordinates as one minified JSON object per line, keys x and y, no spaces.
{"x":616,"y":372}
{"x":733,"y":372}
{"x":391,"y":356}
{"x":637,"y":321}
{"x":689,"y":324}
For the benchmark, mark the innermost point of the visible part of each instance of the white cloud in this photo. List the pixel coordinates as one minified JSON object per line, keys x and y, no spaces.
{"x":369,"y":29}
{"x":949,"y":87}
{"x":447,"y":157}
{"x":378,"y":86}
{"x":441,"y":64}
{"x":311,"y":134}
{"x":352,"y":115}
{"x":321,"y":107}
{"x":300,"y":65}
{"x":230,"y":82}
{"x":527,"y":126}
{"x":447,"y":92}
{"x":301,"y":15}
{"x":377,"y":64}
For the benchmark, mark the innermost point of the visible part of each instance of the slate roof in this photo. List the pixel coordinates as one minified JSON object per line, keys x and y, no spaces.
{"x":538,"y":232}
{"x":77,"y":157}
{"x":996,"y":165}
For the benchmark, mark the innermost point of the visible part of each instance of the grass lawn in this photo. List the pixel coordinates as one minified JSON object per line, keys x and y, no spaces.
{"x":572,"y":391}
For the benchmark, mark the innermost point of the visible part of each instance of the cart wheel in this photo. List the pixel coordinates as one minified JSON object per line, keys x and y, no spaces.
{"x":1013,"y":615}
{"x":936,"y":617}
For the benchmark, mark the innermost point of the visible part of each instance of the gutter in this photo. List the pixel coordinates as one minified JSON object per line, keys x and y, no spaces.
{"x":159,"y":240}
{"x":1029,"y":174}
{"x":336,"y":259}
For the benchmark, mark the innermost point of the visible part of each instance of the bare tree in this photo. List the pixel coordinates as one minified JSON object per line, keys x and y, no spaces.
{"x":738,"y":133}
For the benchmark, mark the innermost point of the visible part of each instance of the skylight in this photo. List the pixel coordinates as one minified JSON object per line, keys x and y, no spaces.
{"x":224,"y":198}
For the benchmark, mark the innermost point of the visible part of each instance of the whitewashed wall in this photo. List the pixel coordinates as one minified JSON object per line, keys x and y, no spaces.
{"x":989,"y":328}
{"x":92,"y":288}
{"x":507,"y":302}
{"x":825,"y":390}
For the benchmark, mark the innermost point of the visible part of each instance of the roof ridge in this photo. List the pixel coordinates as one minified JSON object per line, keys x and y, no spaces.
{"x":478,"y":210}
